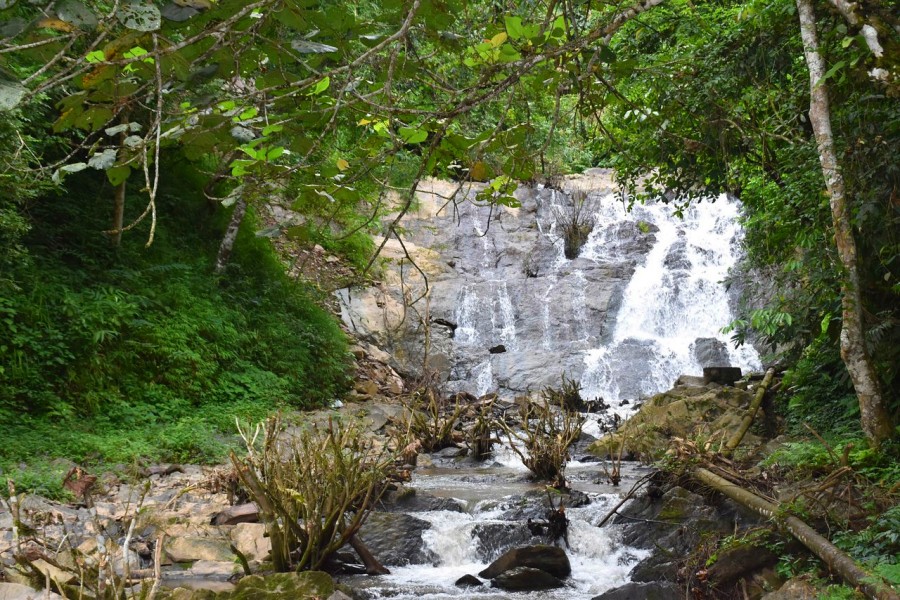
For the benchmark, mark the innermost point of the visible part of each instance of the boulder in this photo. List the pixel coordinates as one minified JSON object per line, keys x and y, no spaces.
{"x":240,"y":513}
{"x":710,"y":352}
{"x":738,"y":562}
{"x":250,"y":539}
{"x":722,"y":375}
{"x":526,"y":579}
{"x":492,"y":539}
{"x":656,"y":590}
{"x":549,"y":559}
{"x":396,"y":539}
{"x":191,"y":548}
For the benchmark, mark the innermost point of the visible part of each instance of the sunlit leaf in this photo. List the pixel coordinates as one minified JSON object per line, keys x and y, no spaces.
{"x":103,"y":160}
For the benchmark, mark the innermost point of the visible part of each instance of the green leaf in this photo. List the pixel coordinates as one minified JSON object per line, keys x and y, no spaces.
{"x":321,"y":86}
{"x":76,"y":13}
{"x":139,"y":16}
{"x":95,"y":57}
{"x":103,"y":160}
{"x":274,"y":153}
{"x":118,"y":175}
{"x":514,"y":27}
{"x":307,"y":47}
{"x":413,"y":135}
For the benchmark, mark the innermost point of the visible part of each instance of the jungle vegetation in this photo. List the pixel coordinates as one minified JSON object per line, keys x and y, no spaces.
{"x":142,"y":306}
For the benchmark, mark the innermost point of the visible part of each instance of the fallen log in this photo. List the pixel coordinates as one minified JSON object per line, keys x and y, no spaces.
{"x":839,"y":562}
{"x":750,"y":414}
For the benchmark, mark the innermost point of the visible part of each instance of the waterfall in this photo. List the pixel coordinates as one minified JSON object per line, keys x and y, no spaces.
{"x":673,"y":298}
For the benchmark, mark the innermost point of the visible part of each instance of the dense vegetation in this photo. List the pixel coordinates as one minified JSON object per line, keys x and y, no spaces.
{"x":328,"y":109}
{"x":119,"y":355}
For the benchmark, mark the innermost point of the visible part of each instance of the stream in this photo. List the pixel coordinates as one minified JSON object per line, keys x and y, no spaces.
{"x":492,"y":497}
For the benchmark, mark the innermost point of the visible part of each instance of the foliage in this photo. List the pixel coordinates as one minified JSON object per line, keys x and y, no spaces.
{"x":314,"y":487}
{"x":113,"y":355}
{"x":575,"y":222}
{"x":432,"y":420}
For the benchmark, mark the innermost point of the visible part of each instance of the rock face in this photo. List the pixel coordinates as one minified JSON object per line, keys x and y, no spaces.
{"x":549,"y":559}
{"x":505,"y":302}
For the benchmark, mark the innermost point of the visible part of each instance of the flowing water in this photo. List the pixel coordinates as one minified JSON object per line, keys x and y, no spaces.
{"x":675,"y":297}
{"x":489,"y":496}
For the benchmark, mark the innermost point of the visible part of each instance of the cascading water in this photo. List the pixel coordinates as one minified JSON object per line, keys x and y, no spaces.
{"x":492,"y":496}
{"x":673,"y":300}
{"x":640,"y":305}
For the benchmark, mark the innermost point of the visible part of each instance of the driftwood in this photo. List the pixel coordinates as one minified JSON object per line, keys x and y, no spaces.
{"x":836,"y":560}
{"x":750,"y":414}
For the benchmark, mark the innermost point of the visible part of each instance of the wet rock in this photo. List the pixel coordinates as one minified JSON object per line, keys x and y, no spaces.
{"x":396,"y":539}
{"x":526,"y":579}
{"x":468,"y":581}
{"x":411,"y":500}
{"x":498,"y":349}
{"x":722,"y":375}
{"x":494,"y":538}
{"x":657,"y":590}
{"x":710,"y":352}
{"x":549,"y":559}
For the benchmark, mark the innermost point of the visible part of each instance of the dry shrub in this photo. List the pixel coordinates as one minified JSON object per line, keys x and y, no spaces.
{"x":547,"y":431}
{"x":314,"y":489}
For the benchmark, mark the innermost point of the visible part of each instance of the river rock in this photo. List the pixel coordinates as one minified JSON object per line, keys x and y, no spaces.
{"x":657,"y":590}
{"x":710,"y":352}
{"x":191,"y":548}
{"x":396,"y":538}
{"x":722,"y":375}
{"x":468,"y":581}
{"x":549,"y":559}
{"x":492,"y":539}
{"x":240,"y":513}
{"x":410,"y":500}
{"x":526,"y":579}
{"x":735,"y":563}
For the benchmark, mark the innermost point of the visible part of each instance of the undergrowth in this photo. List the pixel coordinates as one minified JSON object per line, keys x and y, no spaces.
{"x":120,"y":356}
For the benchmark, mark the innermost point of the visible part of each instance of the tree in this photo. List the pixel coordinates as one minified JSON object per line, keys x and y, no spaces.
{"x":876,"y":421}
{"x":716,"y":99}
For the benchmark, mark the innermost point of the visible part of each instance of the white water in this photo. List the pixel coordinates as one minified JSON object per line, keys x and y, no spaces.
{"x":599,"y":560}
{"x":673,"y":298}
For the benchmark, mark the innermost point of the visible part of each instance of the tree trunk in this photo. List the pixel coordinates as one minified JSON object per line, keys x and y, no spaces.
{"x":876,"y":421}
{"x":118,"y":221}
{"x":836,"y":560}
{"x":234,"y":226}
{"x":747,"y":421}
